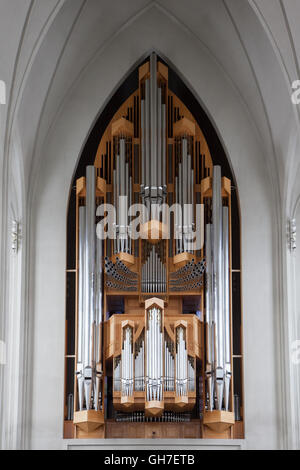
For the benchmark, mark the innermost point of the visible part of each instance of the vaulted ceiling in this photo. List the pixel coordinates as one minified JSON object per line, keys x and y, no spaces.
{"x":46,"y":46}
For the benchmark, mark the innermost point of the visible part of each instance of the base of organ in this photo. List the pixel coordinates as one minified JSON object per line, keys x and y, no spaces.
{"x":153,"y":318}
{"x":88,"y":420}
{"x":218,"y":421}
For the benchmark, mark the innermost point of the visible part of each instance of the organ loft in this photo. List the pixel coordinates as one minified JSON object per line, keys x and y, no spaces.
{"x":153,"y":302}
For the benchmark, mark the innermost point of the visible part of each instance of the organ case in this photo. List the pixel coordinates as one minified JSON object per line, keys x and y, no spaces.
{"x":154,"y":312}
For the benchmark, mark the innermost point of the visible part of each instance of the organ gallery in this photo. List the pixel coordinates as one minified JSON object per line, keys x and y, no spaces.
{"x":155,"y":322}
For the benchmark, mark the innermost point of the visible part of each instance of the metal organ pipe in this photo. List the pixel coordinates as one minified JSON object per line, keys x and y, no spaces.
{"x":89,"y":360}
{"x":218,"y":284}
{"x":154,"y":362}
{"x":209,"y":320}
{"x":153,"y":101}
{"x":143,"y":144}
{"x":227,"y":377}
{"x":117,"y":374}
{"x":159,"y":138}
{"x":164,"y":160}
{"x":153,"y":141}
{"x":122,"y":188}
{"x":184,"y":197}
{"x":81,"y":305}
{"x":153,"y":273}
{"x":127,"y":363}
{"x":90,"y":301}
{"x":99,"y":319}
{"x":139,"y":367}
{"x":191,"y":374}
{"x":218,"y":353}
{"x":147,"y":181}
{"x":181,"y":363}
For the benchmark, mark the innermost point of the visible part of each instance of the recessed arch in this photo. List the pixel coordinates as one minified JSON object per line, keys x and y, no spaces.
{"x":88,"y":155}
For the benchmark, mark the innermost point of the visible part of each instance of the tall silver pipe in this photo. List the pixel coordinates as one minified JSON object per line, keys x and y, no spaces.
{"x":227,"y":376}
{"x":147,"y":142}
{"x":153,"y":101}
{"x":184,"y":189}
{"x":99,"y":319}
{"x":147,"y":362}
{"x":154,"y":364}
{"x":159,"y":136}
{"x":117,"y":195}
{"x":180,"y":202}
{"x":164,"y":160}
{"x":81,"y":305}
{"x":122,"y":192}
{"x":126,"y":215}
{"x":127,"y":363}
{"x":209,"y":331}
{"x":89,"y":361}
{"x":122,"y":167}
{"x":115,"y":221}
{"x":81,"y":276}
{"x":177,"y":214}
{"x":143,"y":143}
{"x":189,"y":217}
{"x":218,"y":274}
{"x":130,"y":204}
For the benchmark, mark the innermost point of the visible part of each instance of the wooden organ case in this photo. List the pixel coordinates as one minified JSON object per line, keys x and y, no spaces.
{"x":153,"y":353}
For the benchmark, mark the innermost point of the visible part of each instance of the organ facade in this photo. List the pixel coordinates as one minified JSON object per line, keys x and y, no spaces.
{"x":153,"y":278}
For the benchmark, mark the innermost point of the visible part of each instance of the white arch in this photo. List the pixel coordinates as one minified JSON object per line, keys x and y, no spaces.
{"x":247,"y":121}
{"x":61,"y":152}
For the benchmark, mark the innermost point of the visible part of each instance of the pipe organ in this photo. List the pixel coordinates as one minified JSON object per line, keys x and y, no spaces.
{"x":153,"y":307}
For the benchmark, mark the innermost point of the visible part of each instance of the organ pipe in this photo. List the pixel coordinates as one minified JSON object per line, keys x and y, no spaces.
{"x":218,"y":355}
{"x":153,"y":141}
{"x":154,"y":361}
{"x":81,"y":305}
{"x":127,"y":362}
{"x":153,"y":274}
{"x":227,"y":359}
{"x":181,"y":363}
{"x":90,"y":299}
{"x":210,"y":322}
{"x":184,"y":198}
{"x":123,"y":199}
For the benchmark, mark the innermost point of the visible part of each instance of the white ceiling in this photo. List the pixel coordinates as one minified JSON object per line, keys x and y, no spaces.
{"x":46,"y":45}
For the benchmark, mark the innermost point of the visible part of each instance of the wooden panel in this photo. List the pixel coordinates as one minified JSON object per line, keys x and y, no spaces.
{"x":97,"y":434}
{"x":119,"y":430}
{"x":191,"y":430}
{"x":210,"y":434}
{"x":238,"y":430}
{"x":69,"y":430}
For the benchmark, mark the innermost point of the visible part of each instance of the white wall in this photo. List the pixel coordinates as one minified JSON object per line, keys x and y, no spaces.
{"x":48,"y":234}
{"x":61,"y":60}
